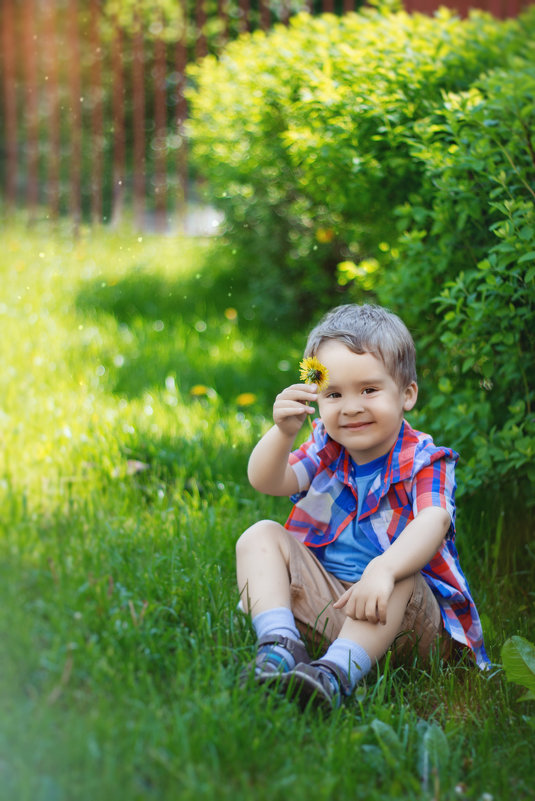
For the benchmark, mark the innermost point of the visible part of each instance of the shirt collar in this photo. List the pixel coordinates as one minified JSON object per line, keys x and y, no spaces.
{"x":398,"y":465}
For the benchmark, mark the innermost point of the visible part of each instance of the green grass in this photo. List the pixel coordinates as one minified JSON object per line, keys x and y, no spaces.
{"x":122,"y":494}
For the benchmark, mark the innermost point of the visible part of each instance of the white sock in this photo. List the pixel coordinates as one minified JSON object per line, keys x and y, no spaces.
{"x":276,"y":621}
{"x":349,"y":657}
{"x":281,"y":622}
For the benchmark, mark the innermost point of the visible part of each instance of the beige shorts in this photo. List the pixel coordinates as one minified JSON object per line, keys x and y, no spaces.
{"x":314,"y":589}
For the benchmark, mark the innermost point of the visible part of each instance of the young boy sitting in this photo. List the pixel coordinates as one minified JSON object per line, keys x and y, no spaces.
{"x":366,"y":559}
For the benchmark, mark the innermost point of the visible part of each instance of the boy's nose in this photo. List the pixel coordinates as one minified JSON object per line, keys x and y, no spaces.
{"x":353,"y":406}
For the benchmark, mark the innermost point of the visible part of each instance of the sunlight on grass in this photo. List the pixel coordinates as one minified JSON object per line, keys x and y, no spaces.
{"x":91,"y":372}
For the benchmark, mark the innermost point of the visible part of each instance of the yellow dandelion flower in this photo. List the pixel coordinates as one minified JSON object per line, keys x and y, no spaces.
{"x":199,"y":389}
{"x":314,"y":372}
{"x":246,"y":399}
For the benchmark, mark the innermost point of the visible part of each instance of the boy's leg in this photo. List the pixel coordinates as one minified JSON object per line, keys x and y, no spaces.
{"x":377,"y":638}
{"x":422,"y":630}
{"x":262,"y":560}
{"x":351,"y":655}
{"x":274,"y":568}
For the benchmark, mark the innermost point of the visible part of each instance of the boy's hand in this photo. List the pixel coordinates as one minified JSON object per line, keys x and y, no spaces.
{"x":291,"y":407}
{"x":368,"y":598}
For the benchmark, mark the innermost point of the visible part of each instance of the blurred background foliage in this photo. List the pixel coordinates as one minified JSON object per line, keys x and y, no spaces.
{"x":377,"y":157}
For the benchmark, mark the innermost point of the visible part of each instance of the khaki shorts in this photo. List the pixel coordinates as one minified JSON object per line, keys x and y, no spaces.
{"x":314,"y":589}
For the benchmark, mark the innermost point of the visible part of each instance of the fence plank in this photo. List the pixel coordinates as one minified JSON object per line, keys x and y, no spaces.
{"x":160,"y":134}
{"x":201,"y":48}
{"x":245,"y":15}
{"x":59,"y":56}
{"x":181,"y":106}
{"x":265,"y":15}
{"x":29,"y":41}
{"x":97,"y":112}
{"x":10,"y":101}
{"x":51,"y":67}
{"x":138,"y":122}
{"x":119,"y":133}
{"x":75,"y":81}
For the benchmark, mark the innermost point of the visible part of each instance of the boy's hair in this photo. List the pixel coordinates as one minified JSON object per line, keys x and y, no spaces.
{"x":369,"y":329}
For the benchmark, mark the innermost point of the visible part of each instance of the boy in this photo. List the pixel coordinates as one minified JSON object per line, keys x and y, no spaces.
{"x":367,"y":555}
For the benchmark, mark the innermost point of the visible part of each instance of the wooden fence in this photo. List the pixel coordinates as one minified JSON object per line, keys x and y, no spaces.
{"x":92,"y":98}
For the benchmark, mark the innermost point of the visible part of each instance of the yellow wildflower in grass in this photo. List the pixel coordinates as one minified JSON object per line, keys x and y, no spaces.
{"x":314,"y":372}
{"x":198,"y":390}
{"x":246,"y":399}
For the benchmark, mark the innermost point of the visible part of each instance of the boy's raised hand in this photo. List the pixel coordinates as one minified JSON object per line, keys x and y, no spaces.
{"x":292,"y":406}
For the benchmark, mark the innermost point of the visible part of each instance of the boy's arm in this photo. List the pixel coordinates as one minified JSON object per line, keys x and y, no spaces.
{"x":268,"y":470}
{"x":411,"y":551}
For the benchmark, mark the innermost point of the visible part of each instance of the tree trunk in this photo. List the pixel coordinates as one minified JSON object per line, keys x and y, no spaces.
{"x":10,"y":101}
{"x":138,"y":108}
{"x":119,"y":136}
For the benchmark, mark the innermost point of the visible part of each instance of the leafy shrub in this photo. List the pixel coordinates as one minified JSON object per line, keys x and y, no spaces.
{"x":474,"y":222}
{"x":302,"y":134}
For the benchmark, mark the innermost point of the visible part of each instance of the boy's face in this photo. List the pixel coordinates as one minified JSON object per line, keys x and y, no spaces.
{"x":362,"y":408}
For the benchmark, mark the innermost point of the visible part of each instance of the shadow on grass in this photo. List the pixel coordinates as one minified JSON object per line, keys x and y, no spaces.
{"x":201,"y":331}
{"x":197,"y":341}
{"x":140,"y":294}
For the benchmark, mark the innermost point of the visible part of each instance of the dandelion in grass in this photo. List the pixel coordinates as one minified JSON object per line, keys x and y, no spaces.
{"x":314,"y":372}
{"x":198,"y":390}
{"x":246,"y":399}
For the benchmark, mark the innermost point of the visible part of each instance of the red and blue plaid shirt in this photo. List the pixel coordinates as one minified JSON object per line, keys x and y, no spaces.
{"x":417,"y":474}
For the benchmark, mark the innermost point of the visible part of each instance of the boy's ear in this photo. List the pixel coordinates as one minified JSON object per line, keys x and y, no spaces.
{"x":411,"y":396}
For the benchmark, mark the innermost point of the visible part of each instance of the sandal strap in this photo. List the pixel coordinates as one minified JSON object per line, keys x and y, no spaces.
{"x":295,"y":647}
{"x":341,"y":675}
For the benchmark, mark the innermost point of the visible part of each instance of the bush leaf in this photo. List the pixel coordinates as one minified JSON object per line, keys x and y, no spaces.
{"x":518,"y":658}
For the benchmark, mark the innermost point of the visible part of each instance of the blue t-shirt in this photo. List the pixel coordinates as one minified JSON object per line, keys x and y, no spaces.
{"x":348,"y":556}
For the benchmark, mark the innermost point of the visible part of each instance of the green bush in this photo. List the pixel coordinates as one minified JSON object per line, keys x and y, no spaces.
{"x":302,"y":134}
{"x":475,"y":221}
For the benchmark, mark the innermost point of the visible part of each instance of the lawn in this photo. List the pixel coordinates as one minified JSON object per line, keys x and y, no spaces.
{"x":135,"y":380}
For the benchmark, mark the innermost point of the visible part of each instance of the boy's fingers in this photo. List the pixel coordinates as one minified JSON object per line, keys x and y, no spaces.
{"x":371,"y":610}
{"x":342,"y":600}
{"x":288,"y":410}
{"x":299,"y":392}
{"x":381,"y":609}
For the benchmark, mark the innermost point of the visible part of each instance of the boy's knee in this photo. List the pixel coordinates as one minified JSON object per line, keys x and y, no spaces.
{"x":259,"y":532}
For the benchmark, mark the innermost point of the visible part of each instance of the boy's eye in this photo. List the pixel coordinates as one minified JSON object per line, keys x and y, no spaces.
{"x":369,"y":390}
{"x":333,"y":395}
